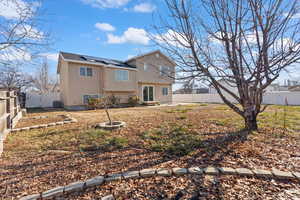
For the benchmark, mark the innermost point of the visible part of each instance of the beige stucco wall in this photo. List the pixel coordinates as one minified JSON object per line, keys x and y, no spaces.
{"x":158,"y":96}
{"x":103,"y":82}
{"x":111,"y":84}
{"x":63,"y":80}
{"x":152,"y":74}
{"x":77,"y":85}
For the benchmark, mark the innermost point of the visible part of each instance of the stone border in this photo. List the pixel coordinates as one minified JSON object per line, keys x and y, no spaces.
{"x":98,"y":180}
{"x":68,"y":120}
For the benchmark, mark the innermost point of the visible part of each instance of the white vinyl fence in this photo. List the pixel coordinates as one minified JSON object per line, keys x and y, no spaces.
{"x":35,"y":100}
{"x":278,"y":98}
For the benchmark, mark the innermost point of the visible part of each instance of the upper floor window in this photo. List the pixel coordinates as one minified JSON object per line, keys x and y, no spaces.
{"x":164,"y":70}
{"x":122,"y":75}
{"x":145,"y":66}
{"x":165,"y":91}
{"x":86,"y":71}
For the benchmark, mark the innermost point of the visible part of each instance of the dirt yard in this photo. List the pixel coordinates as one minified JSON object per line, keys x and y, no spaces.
{"x":190,"y":135}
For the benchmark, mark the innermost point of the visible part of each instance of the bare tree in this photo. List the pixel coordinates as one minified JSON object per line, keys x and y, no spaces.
{"x":247,"y":43}
{"x":42,"y":82}
{"x":188,"y":86}
{"x":21,"y":34}
{"x":11,"y":77}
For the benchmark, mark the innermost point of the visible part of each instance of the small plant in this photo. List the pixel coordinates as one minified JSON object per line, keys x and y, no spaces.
{"x":118,"y":142}
{"x":94,"y":103}
{"x":133,"y":100}
{"x":113,"y":100}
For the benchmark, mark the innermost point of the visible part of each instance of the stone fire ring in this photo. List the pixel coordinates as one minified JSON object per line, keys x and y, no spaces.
{"x":108,"y":126}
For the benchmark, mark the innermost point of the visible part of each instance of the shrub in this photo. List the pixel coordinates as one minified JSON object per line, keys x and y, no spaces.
{"x":94,"y":103}
{"x":113,"y":101}
{"x":133,"y":100}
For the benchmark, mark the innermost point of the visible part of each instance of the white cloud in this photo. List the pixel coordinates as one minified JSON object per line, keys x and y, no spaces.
{"x":172,"y":38}
{"x":17,"y":8}
{"x":144,"y":8}
{"x":29,"y":32}
{"x":13,"y":54}
{"x":294,"y":16}
{"x":105,"y":27}
{"x":11,"y":9}
{"x":50,"y":56}
{"x":131,"y":35}
{"x":106,"y":3}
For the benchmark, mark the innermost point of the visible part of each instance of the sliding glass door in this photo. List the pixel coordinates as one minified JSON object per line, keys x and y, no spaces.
{"x":148,"y":93}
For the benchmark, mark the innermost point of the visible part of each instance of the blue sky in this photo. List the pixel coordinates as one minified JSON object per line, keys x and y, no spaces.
{"x":105,"y":28}
{"x":114,"y":30}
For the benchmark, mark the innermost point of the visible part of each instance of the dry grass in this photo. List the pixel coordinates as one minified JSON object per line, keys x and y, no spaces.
{"x":37,"y":160}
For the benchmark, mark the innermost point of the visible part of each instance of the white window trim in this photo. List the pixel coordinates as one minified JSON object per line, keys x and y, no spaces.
{"x":145,"y":66}
{"x":143,"y":91}
{"x":116,"y":72}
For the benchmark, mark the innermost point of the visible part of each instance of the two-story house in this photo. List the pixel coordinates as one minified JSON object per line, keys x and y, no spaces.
{"x":149,"y":76}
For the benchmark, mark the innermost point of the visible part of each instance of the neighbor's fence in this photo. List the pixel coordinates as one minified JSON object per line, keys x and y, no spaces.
{"x":10,"y":113}
{"x":278,"y":98}
{"x":45,"y":100}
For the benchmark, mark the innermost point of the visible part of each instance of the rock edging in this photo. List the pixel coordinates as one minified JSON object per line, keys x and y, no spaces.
{"x":68,"y":120}
{"x":98,"y":180}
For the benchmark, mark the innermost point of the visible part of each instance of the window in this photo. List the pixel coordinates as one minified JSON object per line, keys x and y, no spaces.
{"x":145,"y":66}
{"x":86,"y":71}
{"x":121,"y":75}
{"x":165,"y":91}
{"x":164,"y":70}
{"x":87,"y":97}
{"x":82,"y":71}
{"x":89,"y":72}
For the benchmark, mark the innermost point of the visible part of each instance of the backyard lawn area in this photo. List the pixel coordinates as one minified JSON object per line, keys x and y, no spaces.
{"x":155,"y":137}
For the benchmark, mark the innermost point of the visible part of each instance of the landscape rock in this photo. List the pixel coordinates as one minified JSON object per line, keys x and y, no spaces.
{"x":244,"y":171}
{"x":49,"y":194}
{"x":297,"y":175}
{"x":98,"y":180}
{"x":52,"y":124}
{"x":108,"y":197}
{"x":227,"y":170}
{"x":113,"y":177}
{"x":131,"y":174}
{"x":282,"y":174}
{"x":263,"y":173}
{"x":211,"y":170}
{"x":147,"y":172}
{"x":163,"y":172}
{"x":195,"y":170}
{"x":74,"y":187}
{"x":179,"y":171}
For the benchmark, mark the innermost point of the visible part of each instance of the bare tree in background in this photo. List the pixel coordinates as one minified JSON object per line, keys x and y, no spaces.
{"x":247,"y":43}
{"x":21,"y":34}
{"x":41,"y":81}
{"x":11,"y":77}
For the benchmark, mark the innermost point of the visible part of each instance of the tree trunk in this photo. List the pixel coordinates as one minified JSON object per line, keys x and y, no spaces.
{"x":251,"y":122}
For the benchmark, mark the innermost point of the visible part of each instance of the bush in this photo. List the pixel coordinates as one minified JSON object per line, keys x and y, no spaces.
{"x":94,"y":103}
{"x":133,"y":100}
{"x":113,"y":101}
